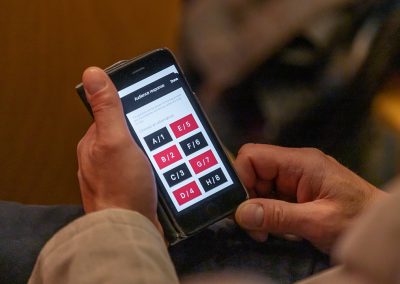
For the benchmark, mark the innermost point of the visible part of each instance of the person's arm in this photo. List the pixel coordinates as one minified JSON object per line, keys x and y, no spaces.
{"x":301,"y":192}
{"x":120,"y":239}
{"x":108,"y":246}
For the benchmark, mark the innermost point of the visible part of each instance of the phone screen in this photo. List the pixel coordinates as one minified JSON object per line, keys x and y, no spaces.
{"x":174,"y":138}
{"x":195,"y":179}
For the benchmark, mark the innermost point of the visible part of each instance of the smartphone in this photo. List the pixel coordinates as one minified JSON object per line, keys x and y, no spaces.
{"x":196,"y":182}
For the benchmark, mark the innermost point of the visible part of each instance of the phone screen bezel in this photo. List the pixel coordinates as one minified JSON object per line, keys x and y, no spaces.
{"x":219,"y":204}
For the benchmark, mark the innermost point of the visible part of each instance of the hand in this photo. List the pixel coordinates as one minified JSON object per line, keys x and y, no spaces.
{"x":113,"y":171}
{"x":299,"y":191}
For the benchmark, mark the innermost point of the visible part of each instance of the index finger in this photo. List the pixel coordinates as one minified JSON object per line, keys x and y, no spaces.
{"x":297,"y":173}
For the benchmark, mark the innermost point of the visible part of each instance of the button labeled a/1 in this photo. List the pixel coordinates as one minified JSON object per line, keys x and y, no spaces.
{"x":158,"y":138}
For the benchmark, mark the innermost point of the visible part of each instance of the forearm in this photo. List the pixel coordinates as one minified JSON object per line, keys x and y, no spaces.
{"x":109,"y":246}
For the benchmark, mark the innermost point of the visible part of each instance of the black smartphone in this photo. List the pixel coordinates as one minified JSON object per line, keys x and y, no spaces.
{"x":197,"y":184}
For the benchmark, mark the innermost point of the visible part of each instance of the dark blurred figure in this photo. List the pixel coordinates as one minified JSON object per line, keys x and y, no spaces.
{"x":289,"y":73}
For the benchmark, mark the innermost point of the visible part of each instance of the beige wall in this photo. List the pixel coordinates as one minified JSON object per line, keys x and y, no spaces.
{"x":44,"y":47}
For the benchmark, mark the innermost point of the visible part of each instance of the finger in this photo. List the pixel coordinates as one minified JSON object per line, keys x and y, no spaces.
{"x":105,"y":103}
{"x":259,"y":236}
{"x":263,"y":216}
{"x":291,"y":169}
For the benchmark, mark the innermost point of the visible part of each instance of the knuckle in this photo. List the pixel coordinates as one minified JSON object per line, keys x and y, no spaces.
{"x":277,"y":218}
{"x":247,"y":149}
{"x":112,"y":145}
{"x":79,"y":174}
{"x":103,"y":101}
{"x":79,"y":147}
{"x":317,"y":155}
{"x":314,"y":152}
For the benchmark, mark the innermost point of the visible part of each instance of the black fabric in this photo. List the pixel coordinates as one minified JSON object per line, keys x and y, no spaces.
{"x":224,"y":247}
{"x":24,"y":229}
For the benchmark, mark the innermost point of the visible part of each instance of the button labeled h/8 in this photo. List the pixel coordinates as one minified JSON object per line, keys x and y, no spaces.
{"x":183,"y":126}
{"x":213,"y":179}
{"x":167,"y":157}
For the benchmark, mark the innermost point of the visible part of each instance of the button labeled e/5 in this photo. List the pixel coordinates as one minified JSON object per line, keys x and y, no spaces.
{"x":183,"y":126}
{"x":177,"y":175}
{"x":158,"y":138}
{"x":167,"y":157}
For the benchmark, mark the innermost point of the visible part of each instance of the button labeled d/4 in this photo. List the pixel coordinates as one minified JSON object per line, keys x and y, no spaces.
{"x":187,"y":193}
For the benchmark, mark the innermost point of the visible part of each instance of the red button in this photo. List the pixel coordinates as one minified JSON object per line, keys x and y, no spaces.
{"x":203,"y":161}
{"x":183,"y":126}
{"x":167,"y":157}
{"x":187,"y":193}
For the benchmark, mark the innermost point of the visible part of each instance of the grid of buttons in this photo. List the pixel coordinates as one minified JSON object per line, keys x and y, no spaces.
{"x":183,"y":161}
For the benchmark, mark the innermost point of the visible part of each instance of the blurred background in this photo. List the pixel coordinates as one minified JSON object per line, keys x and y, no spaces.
{"x":320,"y":74}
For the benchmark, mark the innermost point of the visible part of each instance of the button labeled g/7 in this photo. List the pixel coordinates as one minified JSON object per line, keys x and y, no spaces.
{"x":203,"y":161}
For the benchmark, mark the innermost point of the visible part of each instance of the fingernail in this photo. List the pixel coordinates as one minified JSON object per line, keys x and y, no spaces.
{"x":95,"y":81}
{"x":251,"y":216}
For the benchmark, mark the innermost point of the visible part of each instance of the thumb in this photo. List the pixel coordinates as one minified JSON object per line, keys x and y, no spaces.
{"x":262,"y":216}
{"x":104,"y":101}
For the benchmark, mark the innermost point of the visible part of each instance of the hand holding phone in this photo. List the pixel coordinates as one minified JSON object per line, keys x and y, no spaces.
{"x":196,"y":183}
{"x":108,"y":151}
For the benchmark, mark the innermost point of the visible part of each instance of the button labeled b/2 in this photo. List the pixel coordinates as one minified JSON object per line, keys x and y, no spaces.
{"x":167,"y":157}
{"x":177,"y":175}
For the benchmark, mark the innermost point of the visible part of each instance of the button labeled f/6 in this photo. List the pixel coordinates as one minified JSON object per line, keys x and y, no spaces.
{"x":193,"y":143}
